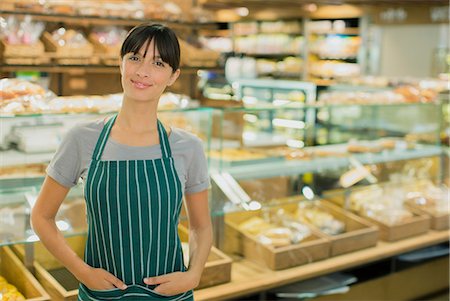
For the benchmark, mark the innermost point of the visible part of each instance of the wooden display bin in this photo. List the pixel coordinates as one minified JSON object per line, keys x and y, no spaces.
{"x":68,"y":55}
{"x":438,"y":221}
{"x":197,"y":57}
{"x":61,"y":285}
{"x":108,"y":55}
{"x":13,"y":270}
{"x":57,"y":280}
{"x":23,"y":54}
{"x":218,"y":266}
{"x":359,"y":233}
{"x":313,"y":248}
{"x":416,"y":225}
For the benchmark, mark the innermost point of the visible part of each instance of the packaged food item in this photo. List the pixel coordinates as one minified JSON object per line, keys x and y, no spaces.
{"x":323,"y":220}
{"x":384,"y":204}
{"x":19,"y":96}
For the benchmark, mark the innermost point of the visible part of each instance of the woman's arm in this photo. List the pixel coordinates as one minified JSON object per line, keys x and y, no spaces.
{"x":200,"y":232}
{"x":43,"y":216}
{"x":200,"y":242}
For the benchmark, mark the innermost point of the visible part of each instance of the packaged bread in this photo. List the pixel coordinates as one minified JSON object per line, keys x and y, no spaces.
{"x":254,"y":225}
{"x":277,"y":237}
{"x":323,"y":220}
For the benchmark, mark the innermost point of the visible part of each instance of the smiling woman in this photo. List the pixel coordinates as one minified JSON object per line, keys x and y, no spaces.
{"x":135,"y":173}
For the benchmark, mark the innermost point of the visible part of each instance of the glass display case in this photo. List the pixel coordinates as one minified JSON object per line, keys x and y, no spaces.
{"x":266,"y":173}
{"x":280,"y":193}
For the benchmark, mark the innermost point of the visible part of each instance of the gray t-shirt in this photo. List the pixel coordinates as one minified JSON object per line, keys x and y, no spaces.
{"x":72,"y":159}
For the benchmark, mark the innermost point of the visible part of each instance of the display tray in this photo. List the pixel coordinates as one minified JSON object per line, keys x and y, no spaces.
{"x":217,"y":268}
{"x":438,"y":221}
{"x":418,"y":224}
{"x":60,"y":284}
{"x":13,"y":270}
{"x":358,"y":234}
{"x":313,"y":248}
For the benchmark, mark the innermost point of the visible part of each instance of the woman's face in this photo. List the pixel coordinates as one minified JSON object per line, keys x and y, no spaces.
{"x":145,"y":78}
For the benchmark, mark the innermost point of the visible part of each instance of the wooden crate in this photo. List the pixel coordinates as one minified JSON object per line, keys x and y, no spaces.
{"x":217,"y":268}
{"x":60,"y":284}
{"x":438,"y":221}
{"x":16,"y":274}
{"x":197,"y":57}
{"x":418,"y":224}
{"x":359,"y":233}
{"x":313,"y":248}
{"x":68,"y":55}
{"x":20,"y":50}
{"x":107,"y":55}
{"x":23,"y":54}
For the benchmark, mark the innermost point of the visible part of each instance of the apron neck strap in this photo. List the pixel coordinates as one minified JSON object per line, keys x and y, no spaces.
{"x":101,"y":142}
{"x":164,"y":141}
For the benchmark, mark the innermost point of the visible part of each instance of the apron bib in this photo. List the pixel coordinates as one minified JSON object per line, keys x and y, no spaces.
{"x":133,"y":209}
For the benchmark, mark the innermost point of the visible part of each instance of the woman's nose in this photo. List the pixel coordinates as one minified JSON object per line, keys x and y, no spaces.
{"x":143,"y":70}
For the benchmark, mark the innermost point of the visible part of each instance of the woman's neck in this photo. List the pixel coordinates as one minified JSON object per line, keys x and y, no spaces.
{"x":137,"y":117}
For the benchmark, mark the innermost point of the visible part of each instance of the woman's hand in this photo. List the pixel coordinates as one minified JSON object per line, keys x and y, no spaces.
{"x":174,"y":283}
{"x":100,"y":279}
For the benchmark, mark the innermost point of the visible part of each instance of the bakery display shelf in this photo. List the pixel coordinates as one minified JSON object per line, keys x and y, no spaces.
{"x":55,"y":68}
{"x":14,"y":157}
{"x":274,"y":55}
{"x":350,"y":31}
{"x":294,"y":167}
{"x":248,"y":277}
{"x":96,"y":20}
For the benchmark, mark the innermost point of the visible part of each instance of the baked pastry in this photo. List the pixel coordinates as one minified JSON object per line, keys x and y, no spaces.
{"x":276,"y":237}
{"x":254,"y":225}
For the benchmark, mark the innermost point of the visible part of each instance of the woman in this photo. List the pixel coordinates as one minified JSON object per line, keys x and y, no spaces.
{"x":135,"y":173}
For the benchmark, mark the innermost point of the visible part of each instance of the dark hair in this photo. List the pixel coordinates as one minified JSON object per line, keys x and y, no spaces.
{"x":164,"y":39}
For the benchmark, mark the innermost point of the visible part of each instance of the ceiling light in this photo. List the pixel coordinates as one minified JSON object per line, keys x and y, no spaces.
{"x":242,"y":11}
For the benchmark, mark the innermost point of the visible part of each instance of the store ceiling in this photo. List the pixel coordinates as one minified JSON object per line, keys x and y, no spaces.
{"x":249,"y":3}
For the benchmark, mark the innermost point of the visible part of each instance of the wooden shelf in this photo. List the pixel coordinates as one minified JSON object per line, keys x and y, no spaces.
{"x":97,"y":20}
{"x":53,"y":68}
{"x":248,"y":278}
{"x":351,"y":31}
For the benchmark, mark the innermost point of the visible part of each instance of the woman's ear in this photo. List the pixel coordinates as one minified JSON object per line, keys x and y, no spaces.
{"x":174,"y":77}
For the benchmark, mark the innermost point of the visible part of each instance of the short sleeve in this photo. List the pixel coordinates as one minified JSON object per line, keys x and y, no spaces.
{"x":197,"y":173}
{"x":65,"y":166}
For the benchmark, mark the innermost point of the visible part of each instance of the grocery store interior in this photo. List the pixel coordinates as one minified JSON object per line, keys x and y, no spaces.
{"x":325,"y":125}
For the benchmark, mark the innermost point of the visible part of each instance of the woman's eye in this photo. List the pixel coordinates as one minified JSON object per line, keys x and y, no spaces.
{"x":134,"y":58}
{"x":159,"y":64}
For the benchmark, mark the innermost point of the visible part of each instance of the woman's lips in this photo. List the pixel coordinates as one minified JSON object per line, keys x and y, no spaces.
{"x":140,"y":85}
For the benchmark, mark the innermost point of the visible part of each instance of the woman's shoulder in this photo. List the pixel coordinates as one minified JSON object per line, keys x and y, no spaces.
{"x":86,"y":130}
{"x":184,"y":138}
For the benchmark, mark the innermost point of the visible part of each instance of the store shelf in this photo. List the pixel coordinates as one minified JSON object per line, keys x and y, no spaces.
{"x":347,"y":32}
{"x":295,"y":167}
{"x":13,"y":157}
{"x":248,"y":277}
{"x":98,"y":20}
{"x":54,"y":68}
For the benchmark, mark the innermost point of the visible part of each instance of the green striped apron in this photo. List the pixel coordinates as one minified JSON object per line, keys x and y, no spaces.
{"x":133,"y":210}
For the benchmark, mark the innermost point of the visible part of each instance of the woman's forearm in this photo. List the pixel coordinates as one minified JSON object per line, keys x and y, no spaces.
{"x":54,"y":241}
{"x":200,"y":242}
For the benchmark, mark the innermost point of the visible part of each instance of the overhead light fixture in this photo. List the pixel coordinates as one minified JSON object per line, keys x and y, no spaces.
{"x":242,"y":11}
